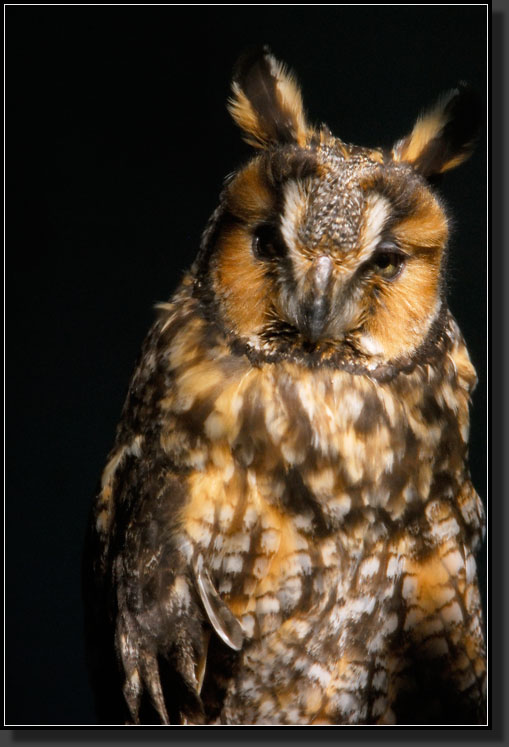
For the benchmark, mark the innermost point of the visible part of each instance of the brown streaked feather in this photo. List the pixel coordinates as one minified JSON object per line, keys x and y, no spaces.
{"x":266,"y":101}
{"x":444,"y":136}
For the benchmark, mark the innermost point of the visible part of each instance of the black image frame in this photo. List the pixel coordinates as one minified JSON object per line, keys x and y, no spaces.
{"x":55,"y":218}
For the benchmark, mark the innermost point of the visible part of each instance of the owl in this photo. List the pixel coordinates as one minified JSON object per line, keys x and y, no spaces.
{"x":286,"y":529}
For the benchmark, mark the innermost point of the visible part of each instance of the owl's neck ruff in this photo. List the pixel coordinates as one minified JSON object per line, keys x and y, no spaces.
{"x":280,"y":342}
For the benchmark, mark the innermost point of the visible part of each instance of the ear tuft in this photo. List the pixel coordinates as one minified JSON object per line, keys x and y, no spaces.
{"x":266,"y":101}
{"x":444,"y":136}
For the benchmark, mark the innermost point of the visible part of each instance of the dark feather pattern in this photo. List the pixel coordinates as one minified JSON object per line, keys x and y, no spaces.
{"x":254,"y":75}
{"x":458,"y":137}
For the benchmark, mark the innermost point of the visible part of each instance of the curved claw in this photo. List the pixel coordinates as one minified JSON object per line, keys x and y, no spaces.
{"x":132,"y":693}
{"x":150,"y":676}
{"x":141,"y":670}
{"x":220,"y":616}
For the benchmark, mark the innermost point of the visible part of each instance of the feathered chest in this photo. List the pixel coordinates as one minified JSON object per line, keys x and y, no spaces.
{"x":350,"y":440}
{"x":281,"y":456}
{"x":311,"y":492}
{"x":295,"y":506}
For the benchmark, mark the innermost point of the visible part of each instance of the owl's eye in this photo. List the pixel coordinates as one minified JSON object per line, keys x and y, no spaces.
{"x":266,"y":242}
{"x":387,"y":263}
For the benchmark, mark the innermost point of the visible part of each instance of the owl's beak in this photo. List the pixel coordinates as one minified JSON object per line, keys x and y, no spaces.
{"x":315,"y":308}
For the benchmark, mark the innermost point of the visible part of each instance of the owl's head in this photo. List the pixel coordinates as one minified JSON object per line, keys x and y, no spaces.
{"x":320,"y":248}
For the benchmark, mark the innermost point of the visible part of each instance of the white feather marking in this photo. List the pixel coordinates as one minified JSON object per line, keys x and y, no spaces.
{"x":364,"y":605}
{"x":267,"y":604}
{"x":446,"y":529}
{"x":225,"y":516}
{"x":453,"y":562}
{"x":409,"y":587}
{"x":270,"y":540}
{"x":375,"y":216}
{"x":291,"y":592}
{"x":294,"y":207}
{"x":352,"y":404}
{"x":181,"y":589}
{"x":321,"y":675}
{"x":238,"y":542}
{"x":370,"y":346}
{"x":451,"y":614}
{"x":470,"y":568}
{"x":369,"y":567}
{"x":347,"y":702}
{"x":233,"y":564}
{"x":395,"y":566}
{"x":413,"y":618}
{"x":214,"y":426}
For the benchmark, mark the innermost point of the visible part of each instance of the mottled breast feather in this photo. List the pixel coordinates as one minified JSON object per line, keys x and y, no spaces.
{"x":286,"y":529}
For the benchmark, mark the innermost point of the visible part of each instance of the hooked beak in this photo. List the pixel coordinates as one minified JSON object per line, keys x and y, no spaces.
{"x":315,"y":309}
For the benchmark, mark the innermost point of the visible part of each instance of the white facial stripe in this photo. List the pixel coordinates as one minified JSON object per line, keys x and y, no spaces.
{"x":294,"y":208}
{"x":377,"y":211}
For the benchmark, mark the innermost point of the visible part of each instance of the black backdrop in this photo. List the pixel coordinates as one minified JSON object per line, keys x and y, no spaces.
{"x":117,"y":143}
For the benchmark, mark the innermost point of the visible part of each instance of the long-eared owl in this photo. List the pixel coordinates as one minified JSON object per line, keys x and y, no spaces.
{"x":286,"y":529}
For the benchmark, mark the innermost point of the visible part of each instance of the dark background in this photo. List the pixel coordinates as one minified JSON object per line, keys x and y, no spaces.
{"x":117,"y":144}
